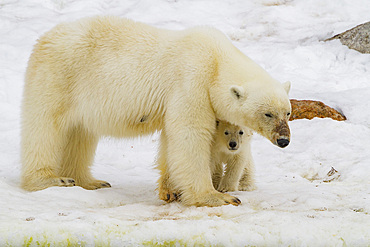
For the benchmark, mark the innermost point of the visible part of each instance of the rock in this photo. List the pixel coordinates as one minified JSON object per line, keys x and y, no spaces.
{"x":332,"y":175}
{"x":357,"y":38}
{"x":310,"y":109}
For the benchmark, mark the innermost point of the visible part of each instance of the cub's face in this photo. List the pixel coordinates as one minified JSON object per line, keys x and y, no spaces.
{"x":229,"y":137}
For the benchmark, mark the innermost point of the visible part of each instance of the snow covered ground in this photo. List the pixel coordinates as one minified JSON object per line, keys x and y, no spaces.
{"x":296,"y":204}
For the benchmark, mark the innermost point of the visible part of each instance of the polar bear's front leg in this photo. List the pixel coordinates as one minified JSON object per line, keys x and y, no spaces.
{"x":165,"y":190}
{"x":78,"y":156}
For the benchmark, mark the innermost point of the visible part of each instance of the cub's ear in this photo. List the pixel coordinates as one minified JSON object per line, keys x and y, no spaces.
{"x":237,"y":92}
{"x":286,"y":86}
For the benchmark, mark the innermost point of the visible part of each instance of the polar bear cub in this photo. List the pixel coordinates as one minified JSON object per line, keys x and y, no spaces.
{"x":231,"y":146}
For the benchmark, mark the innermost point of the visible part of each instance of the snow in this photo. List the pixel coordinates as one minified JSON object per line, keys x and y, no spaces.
{"x":296,"y":204}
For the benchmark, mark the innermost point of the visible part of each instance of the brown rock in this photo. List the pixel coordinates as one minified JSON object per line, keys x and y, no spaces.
{"x":310,"y":109}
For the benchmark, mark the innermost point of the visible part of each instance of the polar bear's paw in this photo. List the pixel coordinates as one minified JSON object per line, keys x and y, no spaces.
{"x":64,"y":182}
{"x":214,"y":199}
{"x":226,"y":187}
{"x":171,"y":196}
{"x":95,"y":184}
{"x":168,"y":195}
{"x":40,"y":183}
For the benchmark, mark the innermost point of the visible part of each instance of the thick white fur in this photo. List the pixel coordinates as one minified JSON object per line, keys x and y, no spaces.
{"x":107,"y":76}
{"x":239,"y":172}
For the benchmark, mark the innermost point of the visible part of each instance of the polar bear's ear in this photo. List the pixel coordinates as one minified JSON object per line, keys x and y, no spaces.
{"x":286,"y":86}
{"x":237,"y":92}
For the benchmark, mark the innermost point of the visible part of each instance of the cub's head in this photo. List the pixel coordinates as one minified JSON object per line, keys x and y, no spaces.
{"x":229,"y":137}
{"x":263,"y":107}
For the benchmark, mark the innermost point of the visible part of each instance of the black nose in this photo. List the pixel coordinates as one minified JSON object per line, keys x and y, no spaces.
{"x":282,"y":142}
{"x":232,"y":144}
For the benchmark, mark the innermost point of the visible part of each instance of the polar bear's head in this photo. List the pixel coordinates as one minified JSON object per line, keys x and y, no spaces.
{"x":262,"y":107}
{"x":244,"y":94}
{"x":270,"y":112}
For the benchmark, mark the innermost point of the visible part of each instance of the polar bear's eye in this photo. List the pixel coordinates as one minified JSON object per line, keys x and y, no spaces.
{"x":288,"y":114}
{"x":241,"y":132}
{"x":268,"y":115}
{"x":226,"y":132}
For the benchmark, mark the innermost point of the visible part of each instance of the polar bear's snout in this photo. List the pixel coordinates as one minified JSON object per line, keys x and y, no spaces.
{"x":233,"y":145}
{"x":282,"y":134}
{"x":282,"y":142}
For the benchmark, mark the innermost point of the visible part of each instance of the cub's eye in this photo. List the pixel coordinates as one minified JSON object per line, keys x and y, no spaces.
{"x":268,"y":115}
{"x":288,"y":114}
{"x":226,"y":133}
{"x":241,"y":132}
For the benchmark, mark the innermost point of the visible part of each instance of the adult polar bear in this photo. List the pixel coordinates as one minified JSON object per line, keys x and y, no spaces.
{"x":108,"y":76}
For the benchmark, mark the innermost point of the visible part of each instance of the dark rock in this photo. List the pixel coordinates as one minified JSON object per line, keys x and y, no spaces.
{"x":357,"y":38}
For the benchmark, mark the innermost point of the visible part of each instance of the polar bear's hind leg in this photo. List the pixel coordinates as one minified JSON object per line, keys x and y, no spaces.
{"x":78,"y":157}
